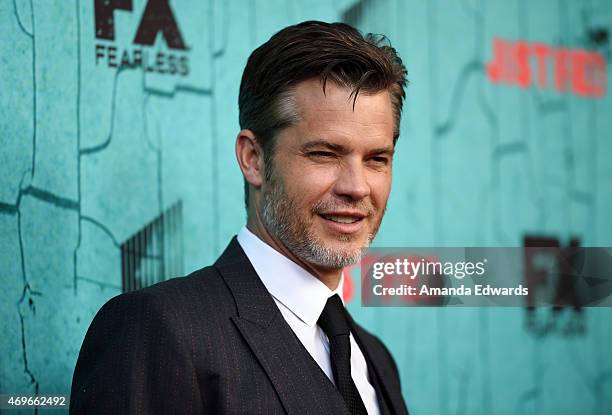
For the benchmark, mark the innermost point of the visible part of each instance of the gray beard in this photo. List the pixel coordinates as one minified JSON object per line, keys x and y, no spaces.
{"x":296,"y":235}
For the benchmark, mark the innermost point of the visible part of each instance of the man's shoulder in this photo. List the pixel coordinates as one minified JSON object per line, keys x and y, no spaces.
{"x":181,"y":295}
{"x":206,"y":282}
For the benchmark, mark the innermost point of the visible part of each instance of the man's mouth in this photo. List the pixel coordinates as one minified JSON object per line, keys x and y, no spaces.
{"x":345,"y":222}
{"x":342,"y":219}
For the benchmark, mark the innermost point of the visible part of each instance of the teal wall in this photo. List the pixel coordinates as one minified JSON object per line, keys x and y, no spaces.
{"x":90,"y":154}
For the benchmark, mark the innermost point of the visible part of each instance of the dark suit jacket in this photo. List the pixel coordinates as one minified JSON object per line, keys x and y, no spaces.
{"x":213,"y":342}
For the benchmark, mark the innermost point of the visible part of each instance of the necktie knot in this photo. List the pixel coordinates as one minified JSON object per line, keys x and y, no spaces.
{"x":333,"y":318}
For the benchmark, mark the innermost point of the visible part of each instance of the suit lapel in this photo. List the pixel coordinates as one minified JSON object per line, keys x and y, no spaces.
{"x":300,"y":384}
{"x":381,"y":373}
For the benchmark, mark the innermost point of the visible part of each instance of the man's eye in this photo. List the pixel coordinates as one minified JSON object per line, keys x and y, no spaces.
{"x":380,"y":160}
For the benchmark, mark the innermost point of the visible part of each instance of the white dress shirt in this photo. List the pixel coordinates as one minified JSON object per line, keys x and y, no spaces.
{"x":301,"y":297}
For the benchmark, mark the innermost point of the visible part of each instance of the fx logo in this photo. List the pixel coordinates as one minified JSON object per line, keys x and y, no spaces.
{"x":157,"y":18}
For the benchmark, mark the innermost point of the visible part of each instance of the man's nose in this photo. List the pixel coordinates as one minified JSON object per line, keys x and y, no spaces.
{"x":352,"y":181}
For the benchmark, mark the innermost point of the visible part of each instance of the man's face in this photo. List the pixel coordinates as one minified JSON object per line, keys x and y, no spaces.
{"x":331,"y":175}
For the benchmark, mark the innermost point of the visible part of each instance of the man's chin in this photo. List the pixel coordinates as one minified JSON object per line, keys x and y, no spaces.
{"x":338,"y":254}
{"x":345,"y":242}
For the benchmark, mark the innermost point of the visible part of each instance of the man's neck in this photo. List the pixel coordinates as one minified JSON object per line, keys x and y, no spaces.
{"x":328,"y":276}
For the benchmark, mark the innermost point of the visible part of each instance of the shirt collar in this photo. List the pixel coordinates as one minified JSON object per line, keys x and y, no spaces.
{"x":290,"y":284}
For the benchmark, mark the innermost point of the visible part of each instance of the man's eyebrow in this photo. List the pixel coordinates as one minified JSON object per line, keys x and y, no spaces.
{"x":339,"y":148}
{"x":388,"y":150}
{"x":323,"y":143}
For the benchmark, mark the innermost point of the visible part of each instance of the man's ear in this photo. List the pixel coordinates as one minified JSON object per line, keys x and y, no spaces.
{"x":250,"y":157}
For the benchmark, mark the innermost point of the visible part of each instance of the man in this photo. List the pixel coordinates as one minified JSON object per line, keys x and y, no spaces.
{"x":264,"y":329}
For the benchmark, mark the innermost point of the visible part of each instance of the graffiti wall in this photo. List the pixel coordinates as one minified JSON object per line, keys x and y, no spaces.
{"x":117,"y":170}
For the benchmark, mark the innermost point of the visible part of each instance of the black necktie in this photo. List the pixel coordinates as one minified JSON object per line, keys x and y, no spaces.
{"x":334,"y":324}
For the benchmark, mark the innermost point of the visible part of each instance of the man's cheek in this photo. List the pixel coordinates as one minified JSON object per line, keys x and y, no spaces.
{"x":311,"y":186}
{"x":380,"y":190}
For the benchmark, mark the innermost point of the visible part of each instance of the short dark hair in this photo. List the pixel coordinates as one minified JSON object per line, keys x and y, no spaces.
{"x":333,"y":52}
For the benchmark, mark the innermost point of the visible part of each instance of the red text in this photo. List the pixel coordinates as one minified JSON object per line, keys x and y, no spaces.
{"x":524,"y":64}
